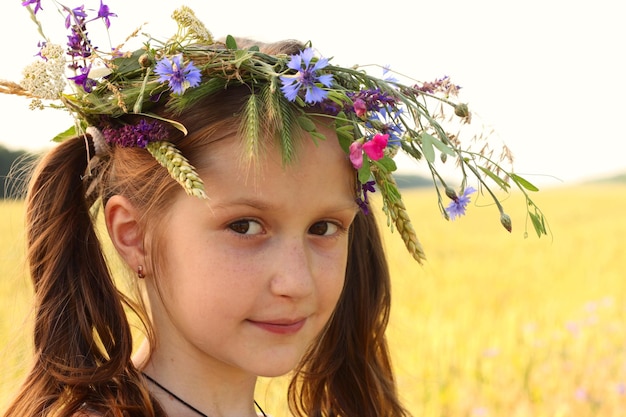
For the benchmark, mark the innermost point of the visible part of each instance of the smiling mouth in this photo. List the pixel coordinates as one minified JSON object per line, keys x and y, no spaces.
{"x":280,"y":327}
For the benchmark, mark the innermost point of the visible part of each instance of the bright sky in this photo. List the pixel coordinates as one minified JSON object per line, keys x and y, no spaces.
{"x":547,"y":75}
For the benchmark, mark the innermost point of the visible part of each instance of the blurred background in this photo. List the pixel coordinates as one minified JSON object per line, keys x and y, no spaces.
{"x":495,"y":324}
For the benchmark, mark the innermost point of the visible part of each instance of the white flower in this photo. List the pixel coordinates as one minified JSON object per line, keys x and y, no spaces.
{"x":186,"y":18}
{"x":45,"y":78}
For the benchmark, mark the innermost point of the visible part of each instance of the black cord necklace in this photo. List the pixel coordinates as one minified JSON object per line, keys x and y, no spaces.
{"x":185,"y":403}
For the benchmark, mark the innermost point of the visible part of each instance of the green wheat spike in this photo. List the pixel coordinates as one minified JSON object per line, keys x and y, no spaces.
{"x":179,"y":168}
{"x":287,"y":131}
{"x":250,"y":128}
{"x":396,"y":212}
{"x":279,"y":120}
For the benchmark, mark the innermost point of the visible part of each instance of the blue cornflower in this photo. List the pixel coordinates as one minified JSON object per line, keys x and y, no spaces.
{"x":306,"y":78}
{"x":37,"y":4}
{"x":457,"y":206}
{"x":388,"y":75}
{"x":179,"y":78}
{"x":387,"y":122}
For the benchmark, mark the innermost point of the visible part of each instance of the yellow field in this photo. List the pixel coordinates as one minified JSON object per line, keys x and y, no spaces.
{"x":493,"y":325}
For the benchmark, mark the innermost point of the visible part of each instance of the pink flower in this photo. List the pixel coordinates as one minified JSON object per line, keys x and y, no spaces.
{"x":359,"y":107}
{"x":356,"y":154}
{"x":374,"y":147}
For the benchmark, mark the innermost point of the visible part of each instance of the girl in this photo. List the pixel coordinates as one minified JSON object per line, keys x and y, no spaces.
{"x":233,"y":181}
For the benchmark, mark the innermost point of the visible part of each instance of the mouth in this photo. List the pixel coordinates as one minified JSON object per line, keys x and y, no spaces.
{"x":281,"y":327}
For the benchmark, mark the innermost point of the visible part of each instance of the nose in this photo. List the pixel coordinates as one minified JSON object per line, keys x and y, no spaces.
{"x":294,"y":273}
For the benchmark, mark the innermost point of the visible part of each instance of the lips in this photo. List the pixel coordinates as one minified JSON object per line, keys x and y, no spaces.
{"x":281,"y":327}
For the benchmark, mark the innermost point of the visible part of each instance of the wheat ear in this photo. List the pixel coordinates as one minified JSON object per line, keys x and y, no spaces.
{"x":179,"y":167}
{"x":396,"y":212}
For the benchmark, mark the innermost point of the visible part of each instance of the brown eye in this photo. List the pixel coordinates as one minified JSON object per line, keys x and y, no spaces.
{"x":246,"y":227}
{"x":323,"y":229}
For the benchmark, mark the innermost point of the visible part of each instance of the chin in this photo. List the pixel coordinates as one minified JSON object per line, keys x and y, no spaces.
{"x":275,"y":371}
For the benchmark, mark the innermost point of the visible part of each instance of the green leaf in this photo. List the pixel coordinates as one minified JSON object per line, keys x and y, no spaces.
{"x":364,"y":171}
{"x":306,"y":124}
{"x":317,"y":135}
{"x":386,"y":163}
{"x":523,"y":182}
{"x":240,"y":57}
{"x":427,"y":147}
{"x":495,"y":178}
{"x":126,"y":65}
{"x":69,"y":133}
{"x":231,"y":43}
{"x":345,"y":134}
{"x":139,"y":102}
{"x":430,"y":141}
{"x":443,"y":147}
{"x":538,"y":224}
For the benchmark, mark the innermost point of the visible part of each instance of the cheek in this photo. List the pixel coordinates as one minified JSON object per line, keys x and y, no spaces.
{"x":333,"y":280}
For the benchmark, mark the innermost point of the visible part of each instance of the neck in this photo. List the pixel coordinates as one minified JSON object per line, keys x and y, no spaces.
{"x":216,"y":391}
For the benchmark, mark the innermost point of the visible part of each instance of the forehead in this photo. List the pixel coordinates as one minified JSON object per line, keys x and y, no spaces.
{"x":319,"y":168}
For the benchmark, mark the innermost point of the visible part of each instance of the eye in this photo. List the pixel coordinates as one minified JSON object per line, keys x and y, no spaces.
{"x":324,"y":228}
{"x":246,"y":227}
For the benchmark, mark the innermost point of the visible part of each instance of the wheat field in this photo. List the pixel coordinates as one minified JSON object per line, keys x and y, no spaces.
{"x":494,"y":324}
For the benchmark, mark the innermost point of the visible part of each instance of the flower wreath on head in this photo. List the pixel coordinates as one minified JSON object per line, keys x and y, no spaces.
{"x":374,"y":117}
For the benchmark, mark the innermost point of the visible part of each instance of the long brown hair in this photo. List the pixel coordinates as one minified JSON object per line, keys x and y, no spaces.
{"x":348,"y":371}
{"x":82,"y":337}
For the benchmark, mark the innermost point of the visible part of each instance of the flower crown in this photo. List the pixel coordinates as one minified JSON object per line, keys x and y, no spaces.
{"x":374,"y":117}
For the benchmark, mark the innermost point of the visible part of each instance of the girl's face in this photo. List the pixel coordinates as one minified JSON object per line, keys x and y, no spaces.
{"x":250,"y":278}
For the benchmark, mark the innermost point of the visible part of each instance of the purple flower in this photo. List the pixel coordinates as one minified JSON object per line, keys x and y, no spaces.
{"x":458,"y":205}
{"x":440,"y":85}
{"x":104,"y":14}
{"x":179,"y":78}
{"x":363,"y":202}
{"x":78,"y":14}
{"x":135,"y":136}
{"x":374,"y":100}
{"x":360,"y":107}
{"x":37,"y":4}
{"x":83,"y":79}
{"x":78,"y":46}
{"x":306,"y":78}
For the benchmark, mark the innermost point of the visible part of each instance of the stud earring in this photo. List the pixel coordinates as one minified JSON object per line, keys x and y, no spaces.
{"x":140,"y":273}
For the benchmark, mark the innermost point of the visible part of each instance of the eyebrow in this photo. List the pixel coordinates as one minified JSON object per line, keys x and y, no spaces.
{"x":267,"y":206}
{"x":245,"y":201}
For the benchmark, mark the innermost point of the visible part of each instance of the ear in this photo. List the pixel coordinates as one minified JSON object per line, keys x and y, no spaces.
{"x":122,"y":221}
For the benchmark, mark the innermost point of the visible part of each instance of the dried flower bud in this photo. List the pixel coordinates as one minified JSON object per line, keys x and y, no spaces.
{"x":444,"y":157}
{"x":461,"y":110}
{"x":506,"y":221}
{"x":145,"y":61}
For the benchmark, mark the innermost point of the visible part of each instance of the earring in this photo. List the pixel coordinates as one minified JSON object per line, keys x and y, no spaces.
{"x":140,"y":273}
